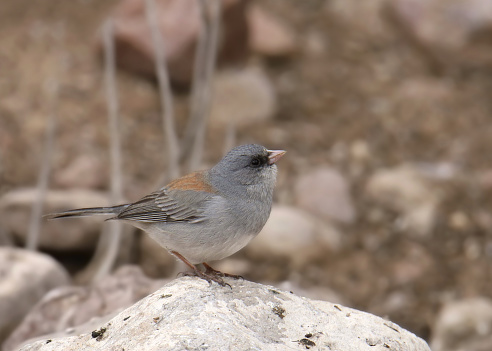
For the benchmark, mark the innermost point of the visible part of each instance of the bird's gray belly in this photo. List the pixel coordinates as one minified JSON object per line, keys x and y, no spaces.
{"x":197,"y":244}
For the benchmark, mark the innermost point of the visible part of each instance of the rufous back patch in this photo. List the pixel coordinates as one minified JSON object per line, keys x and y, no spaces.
{"x":192,"y":181}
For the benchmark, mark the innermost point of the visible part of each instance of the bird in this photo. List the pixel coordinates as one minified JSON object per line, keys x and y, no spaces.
{"x":205,"y":215}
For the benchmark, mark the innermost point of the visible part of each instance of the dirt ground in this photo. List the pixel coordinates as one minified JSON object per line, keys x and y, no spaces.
{"x":357,"y":89}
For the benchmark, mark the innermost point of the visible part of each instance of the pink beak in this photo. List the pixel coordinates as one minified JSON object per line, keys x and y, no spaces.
{"x":275,"y":155}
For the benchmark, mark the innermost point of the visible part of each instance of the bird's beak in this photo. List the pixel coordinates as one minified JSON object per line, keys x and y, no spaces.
{"x":275,"y":155}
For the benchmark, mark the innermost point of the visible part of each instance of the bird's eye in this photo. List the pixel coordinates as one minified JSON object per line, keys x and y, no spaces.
{"x":255,"y":162}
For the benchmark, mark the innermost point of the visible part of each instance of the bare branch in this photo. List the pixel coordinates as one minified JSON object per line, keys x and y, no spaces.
{"x":205,"y":60}
{"x":165,"y":95}
{"x":51,"y":86}
{"x":109,"y":242}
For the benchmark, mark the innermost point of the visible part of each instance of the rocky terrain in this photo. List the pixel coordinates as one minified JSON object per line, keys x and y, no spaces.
{"x":382,"y":202}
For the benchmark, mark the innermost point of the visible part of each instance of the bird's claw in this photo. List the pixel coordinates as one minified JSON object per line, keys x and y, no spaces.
{"x":209,"y":277}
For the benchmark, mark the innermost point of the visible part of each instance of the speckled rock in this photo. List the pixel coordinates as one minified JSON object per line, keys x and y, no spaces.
{"x":191,"y":314}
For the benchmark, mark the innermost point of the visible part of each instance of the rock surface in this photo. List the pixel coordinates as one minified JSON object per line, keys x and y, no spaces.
{"x":65,"y":308}
{"x":191,"y":314}
{"x":25,"y":277}
{"x":15,"y":212}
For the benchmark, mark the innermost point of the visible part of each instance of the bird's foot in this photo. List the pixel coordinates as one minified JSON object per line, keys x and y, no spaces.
{"x":209,"y":277}
{"x":209,"y":270}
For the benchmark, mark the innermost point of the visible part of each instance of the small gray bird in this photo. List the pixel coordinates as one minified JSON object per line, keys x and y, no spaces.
{"x":207,"y":215}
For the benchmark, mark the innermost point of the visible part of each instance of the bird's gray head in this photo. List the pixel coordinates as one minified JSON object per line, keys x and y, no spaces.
{"x":249,"y":165}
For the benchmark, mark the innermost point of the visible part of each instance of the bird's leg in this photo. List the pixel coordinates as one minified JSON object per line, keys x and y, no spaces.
{"x":197,"y":273}
{"x":211,"y":271}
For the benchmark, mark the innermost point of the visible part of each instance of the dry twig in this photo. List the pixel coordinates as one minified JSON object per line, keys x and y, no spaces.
{"x":109,"y":242}
{"x":201,"y":95}
{"x":165,"y":93}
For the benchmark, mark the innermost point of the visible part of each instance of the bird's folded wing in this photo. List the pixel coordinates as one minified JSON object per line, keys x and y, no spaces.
{"x":168,"y":205}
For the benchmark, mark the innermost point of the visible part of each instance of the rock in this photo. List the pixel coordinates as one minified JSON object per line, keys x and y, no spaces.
{"x":85,"y":171}
{"x":326,"y":193}
{"x":464,"y":325}
{"x":313,"y":292}
{"x":449,"y":32}
{"x":407,"y":191}
{"x":179,"y":23}
{"x":294,"y":235}
{"x":63,"y":309}
{"x":77,"y":234}
{"x":191,"y":314}
{"x":153,"y":258}
{"x":242,"y":97}
{"x":269,"y":36}
{"x":25,"y":276}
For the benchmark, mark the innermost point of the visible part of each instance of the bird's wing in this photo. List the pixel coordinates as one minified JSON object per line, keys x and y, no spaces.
{"x":181,"y":201}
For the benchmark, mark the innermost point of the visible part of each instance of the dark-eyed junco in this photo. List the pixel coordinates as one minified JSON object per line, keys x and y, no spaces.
{"x":208,"y":215}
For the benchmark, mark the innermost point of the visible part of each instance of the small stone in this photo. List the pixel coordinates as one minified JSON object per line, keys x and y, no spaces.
{"x":293,"y":234}
{"x":449,"y":32}
{"x":459,"y":221}
{"x":325,"y":192}
{"x":85,"y":171}
{"x":242,"y":97}
{"x":179,"y":25}
{"x":359,"y":151}
{"x":25,"y":277}
{"x":404,"y":189}
{"x":59,"y":235}
{"x":269,"y":36}
{"x":463,"y":325}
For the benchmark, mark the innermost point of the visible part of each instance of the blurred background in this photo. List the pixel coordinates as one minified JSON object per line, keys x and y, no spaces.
{"x":382,"y":201}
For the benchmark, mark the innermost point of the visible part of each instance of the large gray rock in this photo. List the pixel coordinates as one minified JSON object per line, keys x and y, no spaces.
{"x":191,"y":314}
{"x":25,"y":276}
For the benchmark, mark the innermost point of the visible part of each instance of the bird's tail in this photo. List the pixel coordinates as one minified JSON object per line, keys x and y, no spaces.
{"x":81,"y":212}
